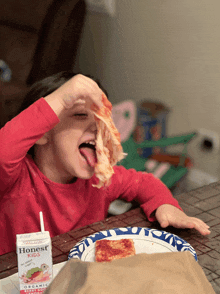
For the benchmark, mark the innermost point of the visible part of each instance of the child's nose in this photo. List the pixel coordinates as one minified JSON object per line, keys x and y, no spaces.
{"x":93,"y":127}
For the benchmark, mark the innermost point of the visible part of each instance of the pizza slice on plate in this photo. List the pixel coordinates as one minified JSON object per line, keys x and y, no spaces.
{"x":108,"y":250}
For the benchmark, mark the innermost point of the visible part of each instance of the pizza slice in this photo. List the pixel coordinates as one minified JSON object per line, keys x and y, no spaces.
{"x":108,"y":250}
{"x":108,"y":143}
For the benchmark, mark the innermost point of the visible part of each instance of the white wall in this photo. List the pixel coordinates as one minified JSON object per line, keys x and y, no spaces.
{"x":166,"y":50}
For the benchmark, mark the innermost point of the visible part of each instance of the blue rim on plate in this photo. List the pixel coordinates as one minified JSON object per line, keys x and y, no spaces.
{"x":162,"y":241}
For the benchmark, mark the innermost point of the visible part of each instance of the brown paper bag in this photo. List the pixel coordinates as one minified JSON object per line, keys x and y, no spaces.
{"x":158,"y":273}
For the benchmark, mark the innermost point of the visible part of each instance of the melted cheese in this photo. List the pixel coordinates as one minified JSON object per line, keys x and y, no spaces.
{"x":108,"y":144}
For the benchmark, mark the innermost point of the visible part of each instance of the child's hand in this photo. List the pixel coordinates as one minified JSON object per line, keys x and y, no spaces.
{"x":78,"y":87}
{"x":169,"y":215}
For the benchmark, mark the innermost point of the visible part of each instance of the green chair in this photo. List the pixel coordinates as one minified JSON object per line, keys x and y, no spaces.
{"x":134,"y":160}
{"x":125,"y":118}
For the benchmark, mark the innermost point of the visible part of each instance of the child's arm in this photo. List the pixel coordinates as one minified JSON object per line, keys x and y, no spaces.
{"x":22,"y":132}
{"x":19,"y":135}
{"x":154,"y":197}
{"x":147,"y":190}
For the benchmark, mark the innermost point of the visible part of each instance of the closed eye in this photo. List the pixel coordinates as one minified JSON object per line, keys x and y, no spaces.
{"x":81,"y":116}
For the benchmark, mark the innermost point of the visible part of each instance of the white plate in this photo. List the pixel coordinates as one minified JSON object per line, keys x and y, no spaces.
{"x":145,"y":241}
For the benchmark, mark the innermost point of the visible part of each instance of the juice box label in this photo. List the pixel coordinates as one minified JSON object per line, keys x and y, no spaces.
{"x":34,"y":262}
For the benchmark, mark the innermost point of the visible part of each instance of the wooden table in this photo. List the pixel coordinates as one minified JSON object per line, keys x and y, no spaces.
{"x":203,"y":203}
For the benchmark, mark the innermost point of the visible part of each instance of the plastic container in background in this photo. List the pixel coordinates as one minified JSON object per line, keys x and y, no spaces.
{"x":5,"y":71}
{"x":151,"y":125}
{"x":35,"y":266}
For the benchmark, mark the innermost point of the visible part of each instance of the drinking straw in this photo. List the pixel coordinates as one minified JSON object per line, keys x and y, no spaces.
{"x":41,"y":222}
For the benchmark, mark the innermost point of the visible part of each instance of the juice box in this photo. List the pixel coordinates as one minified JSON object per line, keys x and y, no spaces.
{"x":151,"y":126}
{"x":35,"y":268}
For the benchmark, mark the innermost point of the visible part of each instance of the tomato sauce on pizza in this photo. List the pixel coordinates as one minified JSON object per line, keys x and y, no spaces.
{"x":108,"y":143}
{"x":108,"y":250}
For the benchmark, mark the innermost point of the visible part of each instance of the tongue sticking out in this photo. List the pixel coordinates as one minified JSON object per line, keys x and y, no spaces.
{"x":89,"y":155}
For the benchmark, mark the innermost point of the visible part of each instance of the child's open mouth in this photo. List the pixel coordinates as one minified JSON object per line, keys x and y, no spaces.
{"x":88,"y":151}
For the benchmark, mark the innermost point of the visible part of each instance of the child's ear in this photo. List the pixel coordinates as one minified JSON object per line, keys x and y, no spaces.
{"x":43,"y":140}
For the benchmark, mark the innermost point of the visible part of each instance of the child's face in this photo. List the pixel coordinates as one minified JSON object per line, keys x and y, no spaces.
{"x":62,"y":159}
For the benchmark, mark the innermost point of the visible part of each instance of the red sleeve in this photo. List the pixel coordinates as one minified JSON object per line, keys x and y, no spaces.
{"x":149,"y":191}
{"x":19,"y":135}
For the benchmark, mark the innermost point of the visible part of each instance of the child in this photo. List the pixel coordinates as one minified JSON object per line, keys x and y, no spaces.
{"x":42,"y":168}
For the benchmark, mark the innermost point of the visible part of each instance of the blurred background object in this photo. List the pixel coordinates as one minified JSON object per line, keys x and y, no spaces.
{"x":167,"y":51}
{"x":146,"y":151}
{"x":38,"y":38}
{"x":5,"y":71}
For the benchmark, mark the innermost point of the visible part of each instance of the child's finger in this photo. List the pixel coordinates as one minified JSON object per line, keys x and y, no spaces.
{"x":91,"y":90}
{"x":79,"y":88}
{"x":164,"y":224}
{"x":202,"y":228}
{"x":163,"y":221}
{"x":97,"y":99}
{"x":198,"y":225}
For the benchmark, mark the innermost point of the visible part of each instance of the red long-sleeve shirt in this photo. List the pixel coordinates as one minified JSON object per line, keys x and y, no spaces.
{"x":25,"y":190}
